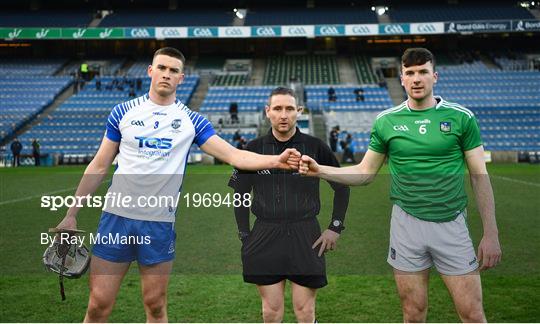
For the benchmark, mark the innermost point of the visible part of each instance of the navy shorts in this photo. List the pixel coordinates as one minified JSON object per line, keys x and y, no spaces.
{"x":121,"y":239}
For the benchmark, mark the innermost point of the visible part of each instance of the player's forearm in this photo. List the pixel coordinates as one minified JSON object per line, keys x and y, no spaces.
{"x":485,"y":202}
{"x":351,"y":176}
{"x":246,"y":160}
{"x":91,"y":180}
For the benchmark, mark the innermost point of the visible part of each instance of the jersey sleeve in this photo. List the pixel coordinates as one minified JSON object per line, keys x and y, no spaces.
{"x":341,"y":192}
{"x":113,"y":123}
{"x":376,"y":141}
{"x":471,"y":134}
{"x":203,"y":128}
{"x":242,"y":180}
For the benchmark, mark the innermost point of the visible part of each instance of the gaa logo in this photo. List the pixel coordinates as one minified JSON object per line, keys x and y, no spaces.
{"x":329,"y":30}
{"x":265,"y":31}
{"x":202,"y":32}
{"x":426,"y":28}
{"x":170,"y":32}
{"x":401,"y":128}
{"x":297,"y":31}
{"x":137,"y":123}
{"x":140,"y":32}
{"x":154,"y":142}
{"x":393,"y":29}
{"x":360,"y":30}
{"x":233,"y":32}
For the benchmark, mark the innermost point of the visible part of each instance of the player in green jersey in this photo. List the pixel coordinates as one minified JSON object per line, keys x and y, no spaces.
{"x":428,"y":141}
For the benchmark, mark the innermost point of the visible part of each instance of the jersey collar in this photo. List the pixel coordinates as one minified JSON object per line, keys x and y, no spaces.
{"x":439,"y":100}
{"x":269,"y":138}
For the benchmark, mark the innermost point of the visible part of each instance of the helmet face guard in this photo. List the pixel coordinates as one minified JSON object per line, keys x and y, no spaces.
{"x":66,"y":259}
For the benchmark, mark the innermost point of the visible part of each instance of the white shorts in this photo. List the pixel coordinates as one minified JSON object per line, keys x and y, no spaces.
{"x":416,"y":245}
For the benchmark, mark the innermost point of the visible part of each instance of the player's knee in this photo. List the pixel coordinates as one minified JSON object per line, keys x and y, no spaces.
{"x":99,"y":306}
{"x":272,"y":313}
{"x":305,"y":312}
{"x":414,"y":311}
{"x":155,"y":305}
{"x":472,"y":312}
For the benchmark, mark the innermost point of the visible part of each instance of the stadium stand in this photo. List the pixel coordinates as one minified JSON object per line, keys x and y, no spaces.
{"x":297,"y":16}
{"x":362,"y":67}
{"x":250,"y":100}
{"x":376,"y":98}
{"x":164,"y":18}
{"x":105,"y":66}
{"x":77,"y":126}
{"x":33,"y":67}
{"x":138,"y":69}
{"x":310,"y":69}
{"x":230,"y":80}
{"x":506,"y":103}
{"x":457,"y":12}
{"x":26,"y":88}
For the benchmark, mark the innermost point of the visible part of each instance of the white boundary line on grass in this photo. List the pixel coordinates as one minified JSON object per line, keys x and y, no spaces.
{"x":535,"y":184}
{"x":35,"y":196}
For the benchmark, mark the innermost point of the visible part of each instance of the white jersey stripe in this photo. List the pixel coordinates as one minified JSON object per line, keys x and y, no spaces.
{"x":460,"y":107}
{"x":465,"y":111}
{"x":391,"y":110}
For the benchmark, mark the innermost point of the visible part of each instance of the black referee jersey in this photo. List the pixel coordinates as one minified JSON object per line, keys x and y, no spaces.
{"x":285,"y":195}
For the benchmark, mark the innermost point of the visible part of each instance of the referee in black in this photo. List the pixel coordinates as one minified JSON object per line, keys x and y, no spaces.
{"x":286,"y":240}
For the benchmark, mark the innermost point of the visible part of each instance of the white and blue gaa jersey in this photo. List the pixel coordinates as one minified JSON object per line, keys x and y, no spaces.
{"x":154,"y":148}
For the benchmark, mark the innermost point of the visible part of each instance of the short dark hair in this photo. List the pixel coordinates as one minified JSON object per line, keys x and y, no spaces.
{"x":281,"y":91}
{"x":172,"y":52}
{"x":417,"y":56}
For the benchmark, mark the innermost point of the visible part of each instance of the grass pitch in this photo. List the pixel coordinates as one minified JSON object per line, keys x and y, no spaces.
{"x":206,"y":284}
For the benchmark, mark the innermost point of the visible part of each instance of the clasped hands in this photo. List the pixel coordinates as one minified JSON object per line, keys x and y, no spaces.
{"x":292,"y":159}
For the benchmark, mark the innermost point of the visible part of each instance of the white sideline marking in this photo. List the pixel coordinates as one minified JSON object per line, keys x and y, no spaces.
{"x":535,"y":184}
{"x":35,"y":196}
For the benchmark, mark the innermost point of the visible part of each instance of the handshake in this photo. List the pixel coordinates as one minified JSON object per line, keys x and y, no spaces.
{"x":292,"y":159}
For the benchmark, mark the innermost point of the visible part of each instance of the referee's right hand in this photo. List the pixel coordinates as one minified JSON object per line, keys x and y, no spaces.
{"x":327,"y":240}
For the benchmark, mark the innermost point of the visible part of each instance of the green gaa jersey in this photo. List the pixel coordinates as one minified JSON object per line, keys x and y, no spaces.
{"x":425,"y":156}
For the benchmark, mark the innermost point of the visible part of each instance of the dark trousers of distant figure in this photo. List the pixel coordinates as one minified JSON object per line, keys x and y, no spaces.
{"x":37,"y":161}
{"x":234,"y":118}
{"x":348,"y":156}
{"x":16,"y":160}
{"x":333,"y":145}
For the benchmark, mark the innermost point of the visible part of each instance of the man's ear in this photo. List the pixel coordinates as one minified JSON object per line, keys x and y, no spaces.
{"x":266,"y":110}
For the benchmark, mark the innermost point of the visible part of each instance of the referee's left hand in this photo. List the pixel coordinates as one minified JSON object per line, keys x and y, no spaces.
{"x":327,"y":240}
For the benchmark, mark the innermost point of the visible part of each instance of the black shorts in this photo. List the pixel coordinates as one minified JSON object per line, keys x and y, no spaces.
{"x":277,"y":251}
